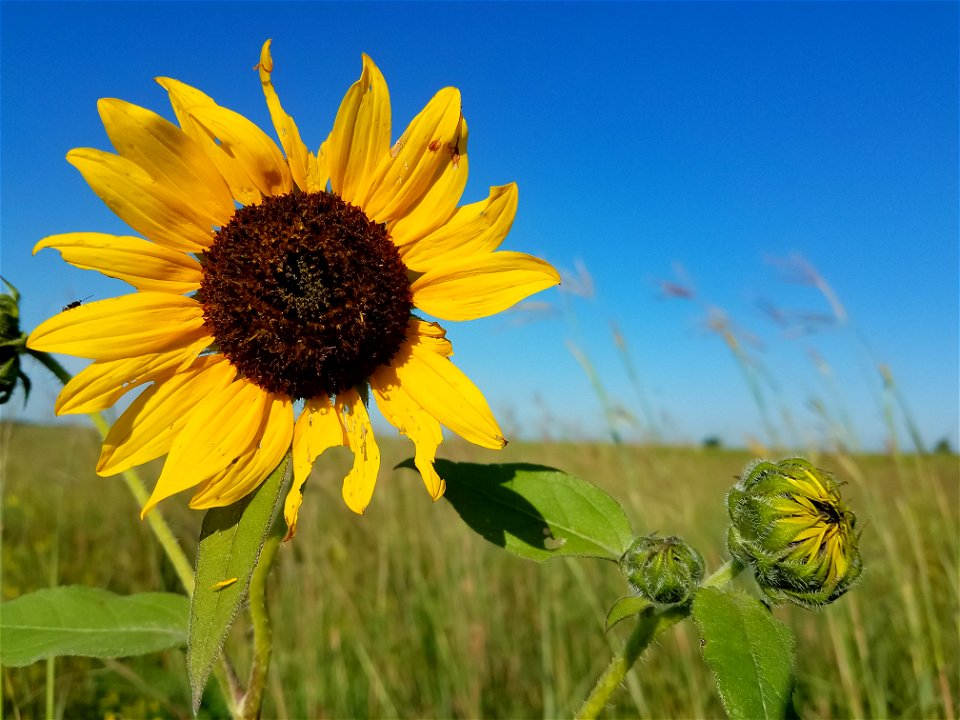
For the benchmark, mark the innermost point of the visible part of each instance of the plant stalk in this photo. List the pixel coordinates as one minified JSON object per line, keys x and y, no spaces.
{"x":252,"y":701}
{"x":651,"y":623}
{"x":723,"y":574}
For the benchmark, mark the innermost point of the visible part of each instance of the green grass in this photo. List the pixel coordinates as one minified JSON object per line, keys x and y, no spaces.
{"x":406,"y":613}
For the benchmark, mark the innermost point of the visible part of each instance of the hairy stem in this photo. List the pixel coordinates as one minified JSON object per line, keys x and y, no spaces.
{"x":723,"y":574}
{"x":262,"y":631}
{"x":651,"y":623}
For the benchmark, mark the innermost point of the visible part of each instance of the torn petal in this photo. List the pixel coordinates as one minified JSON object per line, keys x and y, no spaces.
{"x":318,"y":428}
{"x":359,"y":483}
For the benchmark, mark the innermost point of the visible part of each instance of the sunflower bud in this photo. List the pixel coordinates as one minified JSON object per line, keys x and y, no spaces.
{"x":665,"y":570}
{"x":12,"y":343}
{"x":790,"y":525}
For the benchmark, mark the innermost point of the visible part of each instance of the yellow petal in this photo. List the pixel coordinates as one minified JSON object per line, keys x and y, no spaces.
{"x":318,"y":428}
{"x":183,"y":99}
{"x":417,"y":160}
{"x":482,"y":285}
{"x":168,"y":155}
{"x":244,"y":476}
{"x":474,"y":229}
{"x":183,"y":96}
{"x":141,"y":202}
{"x":102,"y":383}
{"x":257,"y":155}
{"x":430,"y":335}
{"x":147,"y":428}
{"x":360,"y":138}
{"x":220,"y":429}
{"x":441,"y":389}
{"x":127,"y":326}
{"x":410,"y":419}
{"x":143,"y":264}
{"x":440,"y":202}
{"x":359,"y":483}
{"x":303,"y":164}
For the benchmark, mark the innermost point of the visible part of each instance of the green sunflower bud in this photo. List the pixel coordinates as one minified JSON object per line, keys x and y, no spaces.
{"x":790,"y":525}
{"x":12,"y":344}
{"x":665,"y":570}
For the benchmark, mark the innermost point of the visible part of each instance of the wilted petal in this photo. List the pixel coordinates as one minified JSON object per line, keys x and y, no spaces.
{"x":359,"y":483}
{"x":318,"y":428}
{"x":411,"y":420}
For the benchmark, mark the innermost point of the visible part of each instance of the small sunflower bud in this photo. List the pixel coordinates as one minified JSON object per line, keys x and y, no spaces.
{"x":12,"y":344}
{"x":790,"y":525}
{"x":665,"y":570}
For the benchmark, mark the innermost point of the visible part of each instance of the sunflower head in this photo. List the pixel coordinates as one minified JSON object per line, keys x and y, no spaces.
{"x":791,"y":526}
{"x":277,"y":289}
{"x":305,"y":294}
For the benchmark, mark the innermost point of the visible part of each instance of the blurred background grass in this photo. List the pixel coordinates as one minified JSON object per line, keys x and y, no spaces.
{"x":406,"y":613}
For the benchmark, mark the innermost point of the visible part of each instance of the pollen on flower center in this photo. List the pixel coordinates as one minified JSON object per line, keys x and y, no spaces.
{"x":305,"y":295}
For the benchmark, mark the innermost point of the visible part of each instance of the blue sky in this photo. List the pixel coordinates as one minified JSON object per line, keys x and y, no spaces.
{"x":699,"y":144}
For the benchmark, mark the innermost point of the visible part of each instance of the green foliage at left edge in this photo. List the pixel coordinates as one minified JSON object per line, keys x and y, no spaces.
{"x":536,"y":512}
{"x":750,"y":653}
{"x":91,"y":622}
{"x":230,"y":542}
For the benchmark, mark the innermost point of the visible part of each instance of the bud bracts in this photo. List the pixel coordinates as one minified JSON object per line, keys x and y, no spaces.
{"x":790,"y":525}
{"x":665,"y":570}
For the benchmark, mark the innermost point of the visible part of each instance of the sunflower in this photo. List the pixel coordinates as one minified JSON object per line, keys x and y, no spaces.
{"x":276,"y":290}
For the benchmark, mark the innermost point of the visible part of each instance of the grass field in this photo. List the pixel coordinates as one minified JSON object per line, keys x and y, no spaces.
{"x":404,"y":612}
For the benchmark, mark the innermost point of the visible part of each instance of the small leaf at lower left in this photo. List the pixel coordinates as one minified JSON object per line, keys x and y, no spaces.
{"x":87,"y":621}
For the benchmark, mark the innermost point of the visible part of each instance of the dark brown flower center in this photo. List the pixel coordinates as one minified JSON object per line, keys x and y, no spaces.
{"x":305,"y":295}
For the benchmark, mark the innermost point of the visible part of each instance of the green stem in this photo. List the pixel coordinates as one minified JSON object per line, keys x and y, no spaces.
{"x":723,"y":574}
{"x":49,"y":699}
{"x":652,"y":623}
{"x":52,"y":365}
{"x":252,"y":701}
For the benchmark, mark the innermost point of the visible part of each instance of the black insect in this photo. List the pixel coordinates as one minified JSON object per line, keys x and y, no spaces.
{"x":75,"y":304}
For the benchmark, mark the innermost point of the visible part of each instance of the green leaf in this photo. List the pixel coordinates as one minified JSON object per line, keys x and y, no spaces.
{"x":230,"y":542}
{"x":749,"y":651}
{"x":536,"y":512}
{"x":626,"y":607}
{"x":78,"y":620}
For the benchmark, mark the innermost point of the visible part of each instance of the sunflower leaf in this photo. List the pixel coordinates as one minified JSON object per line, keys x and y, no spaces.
{"x":536,"y":512}
{"x":231,"y":539}
{"x":88,"y":621}
{"x":624,"y":608}
{"x":749,"y":651}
